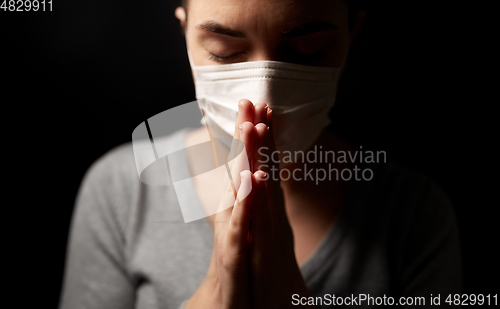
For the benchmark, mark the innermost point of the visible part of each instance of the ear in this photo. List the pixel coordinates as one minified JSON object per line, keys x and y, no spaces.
{"x":180,"y":13}
{"x":358,"y":23}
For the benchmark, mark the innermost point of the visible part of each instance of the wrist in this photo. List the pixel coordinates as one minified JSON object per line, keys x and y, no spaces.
{"x":205,"y":296}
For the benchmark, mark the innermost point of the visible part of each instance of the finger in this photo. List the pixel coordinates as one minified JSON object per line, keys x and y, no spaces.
{"x":261,"y":147}
{"x":274,"y":160}
{"x":260,"y":113}
{"x":261,"y":216}
{"x":275,"y":194}
{"x":244,"y":153}
{"x":237,"y":232}
{"x":225,"y":207}
{"x":228,"y":200}
{"x":269,"y":122}
{"x":229,"y":185}
{"x":246,"y":112}
{"x":248,"y":134}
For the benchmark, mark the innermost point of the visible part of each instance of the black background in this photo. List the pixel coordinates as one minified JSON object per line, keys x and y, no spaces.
{"x":78,"y":80}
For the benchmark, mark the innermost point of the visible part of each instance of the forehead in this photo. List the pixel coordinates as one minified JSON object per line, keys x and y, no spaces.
{"x":267,"y":13}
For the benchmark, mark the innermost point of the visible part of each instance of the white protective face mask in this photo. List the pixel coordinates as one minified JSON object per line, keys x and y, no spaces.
{"x":300,"y":97}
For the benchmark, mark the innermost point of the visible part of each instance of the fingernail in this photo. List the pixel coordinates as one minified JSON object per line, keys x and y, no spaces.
{"x":267,"y":128}
{"x":241,"y":129}
{"x":240,"y":107}
{"x":262,"y":175}
{"x":269,"y":110}
{"x":267,"y":106}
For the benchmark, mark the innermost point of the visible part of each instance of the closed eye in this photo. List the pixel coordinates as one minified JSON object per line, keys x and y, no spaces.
{"x":222,"y":59}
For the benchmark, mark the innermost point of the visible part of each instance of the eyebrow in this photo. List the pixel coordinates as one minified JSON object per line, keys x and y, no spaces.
{"x":220,"y":29}
{"x":302,"y":30}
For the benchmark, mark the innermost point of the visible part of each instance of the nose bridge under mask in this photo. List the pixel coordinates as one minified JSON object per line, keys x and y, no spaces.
{"x":270,"y":86}
{"x":300,"y":96}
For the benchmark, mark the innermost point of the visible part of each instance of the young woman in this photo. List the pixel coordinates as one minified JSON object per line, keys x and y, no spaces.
{"x":265,"y":72}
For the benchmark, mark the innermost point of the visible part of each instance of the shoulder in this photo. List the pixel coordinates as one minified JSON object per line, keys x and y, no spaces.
{"x":117,"y":166}
{"x":402,"y":206}
{"x":114,"y":186}
{"x":409,"y":193}
{"x":108,"y":190}
{"x":406,"y":202}
{"x":420,"y":229}
{"x":131,"y":165}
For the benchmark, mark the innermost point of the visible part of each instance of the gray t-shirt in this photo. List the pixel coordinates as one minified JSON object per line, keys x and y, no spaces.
{"x":130,"y":248}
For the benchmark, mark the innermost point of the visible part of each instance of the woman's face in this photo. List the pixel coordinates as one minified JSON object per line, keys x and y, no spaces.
{"x":309,"y":32}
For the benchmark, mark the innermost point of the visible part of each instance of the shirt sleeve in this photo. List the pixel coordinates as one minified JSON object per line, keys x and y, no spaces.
{"x":96,"y":273}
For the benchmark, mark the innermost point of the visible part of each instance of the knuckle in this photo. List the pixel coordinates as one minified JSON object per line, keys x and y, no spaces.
{"x":246,"y":124}
{"x":231,"y":262}
{"x":234,"y":224}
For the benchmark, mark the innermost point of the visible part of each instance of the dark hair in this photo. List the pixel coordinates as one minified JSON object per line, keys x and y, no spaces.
{"x":354,"y":7}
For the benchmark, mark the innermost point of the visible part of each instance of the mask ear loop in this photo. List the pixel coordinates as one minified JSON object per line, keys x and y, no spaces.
{"x":191,"y":62}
